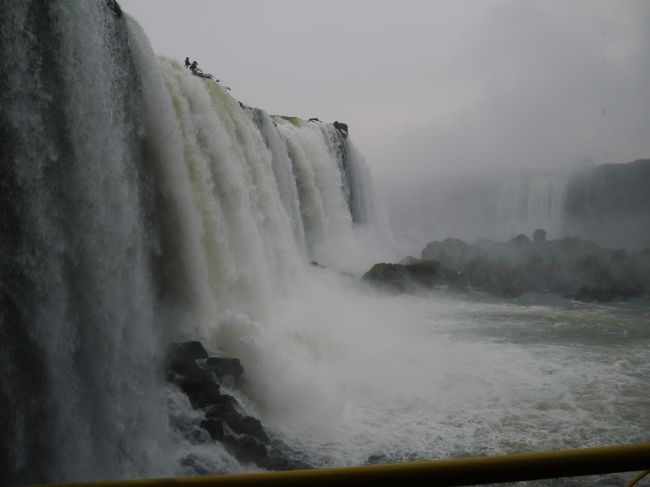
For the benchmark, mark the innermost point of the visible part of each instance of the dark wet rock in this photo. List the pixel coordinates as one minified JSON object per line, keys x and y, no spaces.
{"x":190,"y":349}
{"x":114,"y":7}
{"x":200,"y":377}
{"x":197,"y":383}
{"x":398,"y":277}
{"x":251,"y":448}
{"x":341,"y":127}
{"x":377,"y":459}
{"x":569,"y":266}
{"x":599,"y":294}
{"x":494,"y":277}
{"x":521,"y":240}
{"x":244,"y":447}
{"x":190,"y":463}
{"x":182,"y":369}
{"x":539,"y":236}
{"x":225,"y":368}
{"x":228,"y":413}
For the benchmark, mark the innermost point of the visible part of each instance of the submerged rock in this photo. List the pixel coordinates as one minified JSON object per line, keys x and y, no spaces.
{"x":453,"y":253}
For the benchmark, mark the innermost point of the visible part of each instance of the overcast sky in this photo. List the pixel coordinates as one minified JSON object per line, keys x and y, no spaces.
{"x":432,"y":87}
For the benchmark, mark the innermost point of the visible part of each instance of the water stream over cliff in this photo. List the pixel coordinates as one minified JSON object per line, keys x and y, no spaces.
{"x":141,"y":205}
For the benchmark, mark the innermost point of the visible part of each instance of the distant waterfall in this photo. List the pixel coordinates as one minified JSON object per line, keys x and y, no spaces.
{"x":140,"y":204}
{"x":526,"y":203}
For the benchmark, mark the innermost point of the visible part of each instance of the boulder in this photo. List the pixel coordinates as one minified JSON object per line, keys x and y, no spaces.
{"x":228,"y":413}
{"x":452,"y":253}
{"x":341,"y":127}
{"x":403,"y":277}
{"x":114,"y":7}
{"x":539,"y":236}
{"x":225,"y":368}
{"x":190,"y":349}
{"x":182,"y":370}
{"x":520,"y":240}
{"x":199,"y":376}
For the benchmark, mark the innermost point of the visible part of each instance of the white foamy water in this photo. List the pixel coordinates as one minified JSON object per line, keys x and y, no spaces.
{"x":350,"y":376}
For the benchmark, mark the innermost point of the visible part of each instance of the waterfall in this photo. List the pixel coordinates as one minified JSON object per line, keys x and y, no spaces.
{"x":141,"y":204}
{"x":526,"y":203}
{"x":78,"y":387}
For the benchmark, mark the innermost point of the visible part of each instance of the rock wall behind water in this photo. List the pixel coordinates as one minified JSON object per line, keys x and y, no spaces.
{"x":610,"y":204}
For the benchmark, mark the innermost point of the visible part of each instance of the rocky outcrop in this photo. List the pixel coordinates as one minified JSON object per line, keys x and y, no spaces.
{"x":570,"y":266}
{"x":114,"y":7}
{"x":404,"y":277}
{"x":341,"y":127}
{"x":201,"y":377}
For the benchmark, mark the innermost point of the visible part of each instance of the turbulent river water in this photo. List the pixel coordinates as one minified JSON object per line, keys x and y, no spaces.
{"x":397,"y":378}
{"x":349,"y":376}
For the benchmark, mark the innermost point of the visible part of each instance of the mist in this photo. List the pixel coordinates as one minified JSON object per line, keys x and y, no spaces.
{"x":195,"y":282}
{"x":435,"y":93}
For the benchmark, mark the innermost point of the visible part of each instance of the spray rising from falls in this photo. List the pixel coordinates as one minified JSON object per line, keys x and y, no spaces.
{"x":140,"y":204}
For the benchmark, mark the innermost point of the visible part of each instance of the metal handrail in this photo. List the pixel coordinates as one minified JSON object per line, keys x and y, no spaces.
{"x":453,"y":472}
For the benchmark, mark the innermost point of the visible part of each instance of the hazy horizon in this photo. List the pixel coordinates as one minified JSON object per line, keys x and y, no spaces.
{"x":432,"y":85}
{"x":433,"y":90}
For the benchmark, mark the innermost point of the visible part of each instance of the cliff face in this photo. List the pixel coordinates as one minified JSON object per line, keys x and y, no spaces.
{"x":610,"y":204}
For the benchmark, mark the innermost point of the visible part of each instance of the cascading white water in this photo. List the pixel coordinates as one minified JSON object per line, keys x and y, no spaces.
{"x":284,"y":174}
{"x":526,"y":203}
{"x":79,"y":393}
{"x":264,"y":196}
{"x":246,"y":199}
{"x":142,"y":204}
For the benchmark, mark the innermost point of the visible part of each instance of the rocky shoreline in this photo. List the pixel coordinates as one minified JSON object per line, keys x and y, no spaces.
{"x":202,"y":378}
{"x":571,"y":267}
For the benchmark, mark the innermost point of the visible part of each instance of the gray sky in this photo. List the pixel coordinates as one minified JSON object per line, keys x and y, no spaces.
{"x":432,"y":87}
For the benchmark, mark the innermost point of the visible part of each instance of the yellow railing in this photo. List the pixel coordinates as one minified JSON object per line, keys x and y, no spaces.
{"x":461,"y":471}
